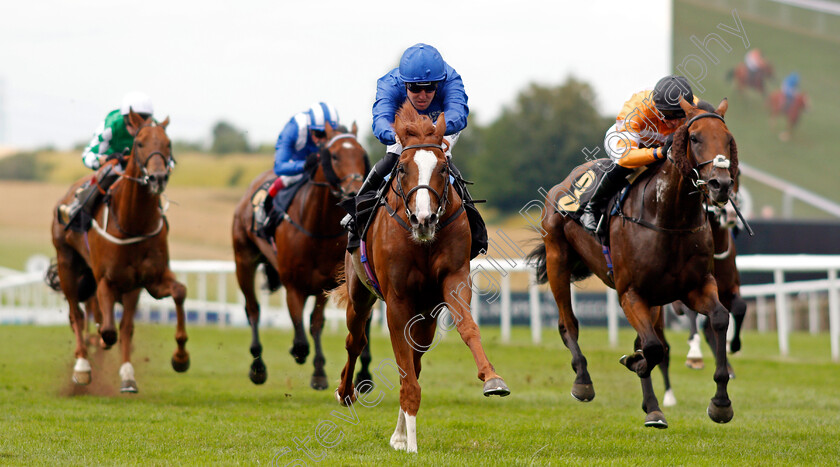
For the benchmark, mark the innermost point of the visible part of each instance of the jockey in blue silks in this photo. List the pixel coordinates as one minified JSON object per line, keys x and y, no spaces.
{"x":790,"y":86}
{"x":296,"y":151}
{"x":433,"y":87}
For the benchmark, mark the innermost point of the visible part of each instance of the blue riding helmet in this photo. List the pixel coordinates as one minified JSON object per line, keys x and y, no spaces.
{"x":422,"y":63}
{"x":792,"y":80}
{"x":321,"y":113}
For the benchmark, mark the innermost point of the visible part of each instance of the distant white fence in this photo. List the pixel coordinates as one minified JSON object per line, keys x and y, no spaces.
{"x":215,"y":299}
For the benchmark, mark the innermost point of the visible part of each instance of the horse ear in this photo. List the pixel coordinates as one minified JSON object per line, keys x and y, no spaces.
{"x":688,"y":107}
{"x":354,"y":129}
{"x":329,"y":130}
{"x":724,"y":104}
{"x":440,"y":126}
{"x":165,"y":122}
{"x":135,"y":122}
{"x":399,"y":127}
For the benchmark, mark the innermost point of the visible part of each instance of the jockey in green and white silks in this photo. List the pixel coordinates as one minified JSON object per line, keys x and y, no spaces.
{"x":113,"y":138}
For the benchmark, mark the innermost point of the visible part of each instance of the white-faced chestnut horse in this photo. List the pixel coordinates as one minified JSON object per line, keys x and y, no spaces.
{"x":125,"y":252}
{"x":662,"y":251}
{"x":307,"y":251}
{"x":419,"y":255}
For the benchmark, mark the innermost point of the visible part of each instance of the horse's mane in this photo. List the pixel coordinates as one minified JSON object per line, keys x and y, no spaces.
{"x":412,"y":124}
{"x":680,"y":147}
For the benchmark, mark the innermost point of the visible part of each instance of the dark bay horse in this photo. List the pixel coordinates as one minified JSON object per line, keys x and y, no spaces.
{"x":307,"y":251}
{"x":125,"y":251}
{"x":791,"y":110}
{"x":662,"y":251}
{"x":420,"y":252}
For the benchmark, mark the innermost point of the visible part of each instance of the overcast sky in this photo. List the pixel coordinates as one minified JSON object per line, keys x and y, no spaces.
{"x":65,"y":64}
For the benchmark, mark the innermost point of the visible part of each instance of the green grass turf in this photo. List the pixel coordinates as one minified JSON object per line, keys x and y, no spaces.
{"x":787,"y":411}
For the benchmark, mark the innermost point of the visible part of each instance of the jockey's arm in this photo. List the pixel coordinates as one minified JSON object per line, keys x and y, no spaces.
{"x":388,"y":95}
{"x":455,"y":109}
{"x":97,"y":150}
{"x":623,"y":147}
{"x":286,"y":149}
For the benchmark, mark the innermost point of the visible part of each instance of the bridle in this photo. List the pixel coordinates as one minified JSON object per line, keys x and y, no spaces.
{"x":335,"y":184}
{"x":144,"y":173}
{"x":720,"y":161}
{"x":443,"y":200}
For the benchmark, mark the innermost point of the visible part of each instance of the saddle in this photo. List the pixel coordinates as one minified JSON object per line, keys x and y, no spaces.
{"x":280,"y":204}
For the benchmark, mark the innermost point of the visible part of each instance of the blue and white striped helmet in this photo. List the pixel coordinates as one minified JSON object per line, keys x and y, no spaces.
{"x":321,"y":113}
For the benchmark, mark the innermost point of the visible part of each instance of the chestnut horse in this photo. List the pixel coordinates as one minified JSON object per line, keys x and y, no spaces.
{"x":745,"y":79}
{"x":792,"y":110}
{"x":125,"y":251}
{"x":662,"y":250}
{"x":307,"y":250}
{"x":420,"y":254}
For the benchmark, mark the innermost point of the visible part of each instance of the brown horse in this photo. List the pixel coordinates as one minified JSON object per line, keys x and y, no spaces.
{"x":307,"y":251}
{"x":662,"y":251}
{"x":125,"y":251}
{"x":420,"y":254}
{"x":744,"y":79}
{"x":791,"y":110}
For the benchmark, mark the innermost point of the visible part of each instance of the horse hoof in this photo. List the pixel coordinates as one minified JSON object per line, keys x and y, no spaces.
{"x":129,"y":385}
{"x":344,"y":401}
{"x":720,"y":414}
{"x":180,"y":366}
{"x":694,"y":363}
{"x":81,"y":378}
{"x":258,"y":373}
{"x":496,"y":387}
{"x":583,"y":392}
{"x":299,"y":352}
{"x":656,"y":419}
{"x":319,"y":383}
{"x":109,"y":338}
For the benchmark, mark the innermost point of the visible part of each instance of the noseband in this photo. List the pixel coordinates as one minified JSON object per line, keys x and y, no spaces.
{"x":443,"y":200}
{"x":334,"y":183}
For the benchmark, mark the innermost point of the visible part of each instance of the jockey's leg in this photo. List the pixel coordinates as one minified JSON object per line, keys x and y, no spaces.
{"x":613,"y":180}
{"x":262,"y":216}
{"x":477,"y":228}
{"x":87,"y":199}
{"x":361,"y":208}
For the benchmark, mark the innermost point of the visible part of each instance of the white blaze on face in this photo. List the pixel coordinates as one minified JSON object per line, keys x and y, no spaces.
{"x":426,"y":163}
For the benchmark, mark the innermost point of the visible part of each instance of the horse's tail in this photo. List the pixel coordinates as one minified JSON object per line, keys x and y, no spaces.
{"x":272,"y":278}
{"x":340,"y":295}
{"x":51,"y":276}
{"x":537,"y":259}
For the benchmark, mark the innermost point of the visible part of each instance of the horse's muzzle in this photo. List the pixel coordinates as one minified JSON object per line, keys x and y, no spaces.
{"x":157,"y":182}
{"x":719,"y":189}
{"x":423,"y":228}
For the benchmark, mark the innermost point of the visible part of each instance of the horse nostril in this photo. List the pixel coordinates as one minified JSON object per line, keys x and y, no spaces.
{"x":413,"y":219}
{"x":714,"y":184}
{"x":432,"y":219}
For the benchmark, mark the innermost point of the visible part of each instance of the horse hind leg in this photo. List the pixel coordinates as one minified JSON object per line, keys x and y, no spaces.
{"x":68,"y":265}
{"x":358,"y":316}
{"x":364,"y":380}
{"x":246,"y":268}
{"x":296,"y":300}
{"x":316,"y":326}
{"x":559,"y":275}
{"x":650,"y":351}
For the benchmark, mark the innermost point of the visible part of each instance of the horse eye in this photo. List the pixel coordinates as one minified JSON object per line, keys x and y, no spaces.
{"x":335,"y":158}
{"x":693,"y":139}
{"x":139,"y":144}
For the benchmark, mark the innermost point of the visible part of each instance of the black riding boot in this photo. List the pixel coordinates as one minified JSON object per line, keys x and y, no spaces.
{"x":478,"y":230}
{"x":593,"y":218}
{"x":262,"y":217}
{"x":78,"y":214}
{"x":362,"y":206}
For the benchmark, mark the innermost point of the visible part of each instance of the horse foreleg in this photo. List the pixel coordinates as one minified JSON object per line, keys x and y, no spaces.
{"x":405,"y":434}
{"x":705,"y":301}
{"x":129,"y":301}
{"x":458,"y":295}
{"x":649,"y":351}
{"x":246,"y":267}
{"x":358,"y":318}
{"x":169,"y":287}
{"x":694,"y":357}
{"x":295,"y":299}
{"x":669,"y":399}
{"x":364,"y":373}
{"x":316,"y":326}
{"x":81,"y":369}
